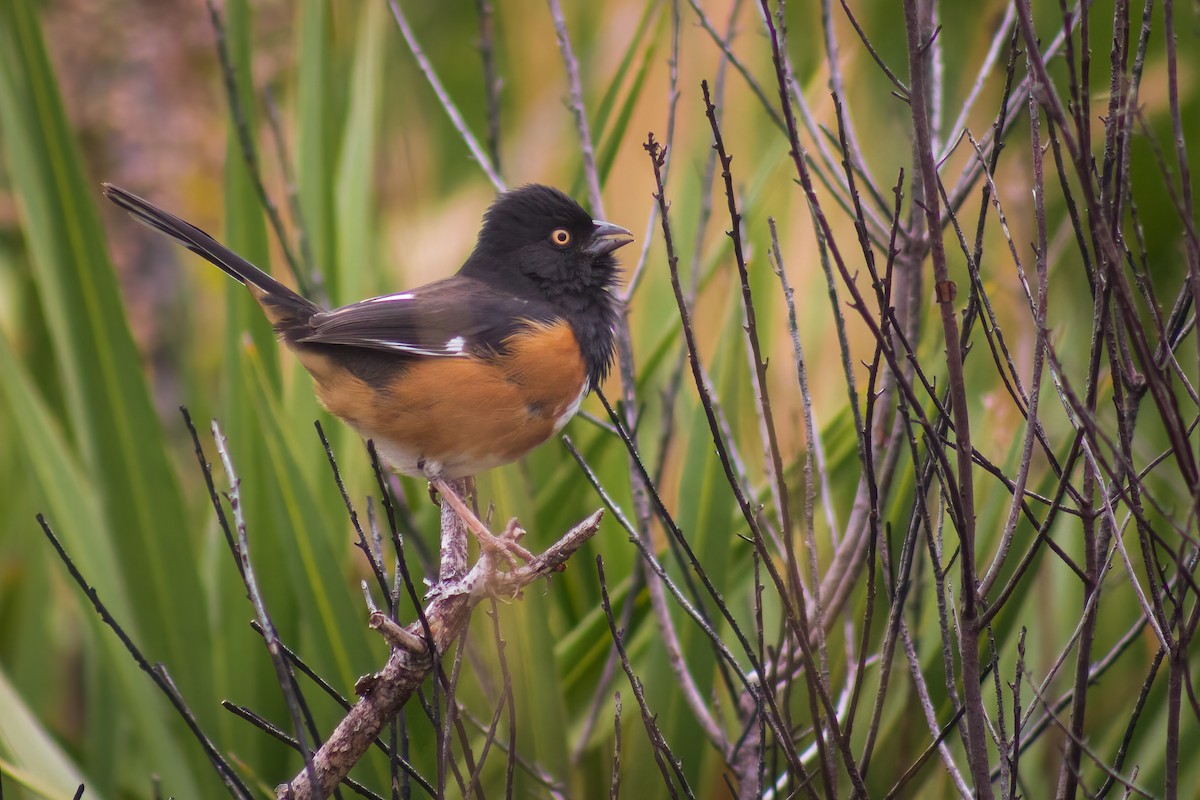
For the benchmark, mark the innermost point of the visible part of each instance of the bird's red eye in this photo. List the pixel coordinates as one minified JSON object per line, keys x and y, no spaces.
{"x":561,"y":237}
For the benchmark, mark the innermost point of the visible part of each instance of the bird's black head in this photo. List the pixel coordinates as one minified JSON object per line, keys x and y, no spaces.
{"x":538,"y":241}
{"x":538,"y":234}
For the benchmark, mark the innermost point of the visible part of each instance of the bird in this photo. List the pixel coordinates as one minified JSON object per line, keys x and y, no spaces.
{"x":464,"y":374}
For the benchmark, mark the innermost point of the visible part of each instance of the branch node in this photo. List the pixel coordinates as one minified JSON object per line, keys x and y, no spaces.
{"x":397,"y":636}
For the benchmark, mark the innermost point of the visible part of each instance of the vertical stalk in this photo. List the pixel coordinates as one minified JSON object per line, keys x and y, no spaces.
{"x":972,"y":694}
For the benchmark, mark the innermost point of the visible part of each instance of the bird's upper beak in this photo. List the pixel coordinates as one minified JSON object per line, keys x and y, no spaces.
{"x":606,"y":237}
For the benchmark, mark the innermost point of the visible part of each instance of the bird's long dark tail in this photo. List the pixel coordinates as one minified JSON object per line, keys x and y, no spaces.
{"x":283,"y":306}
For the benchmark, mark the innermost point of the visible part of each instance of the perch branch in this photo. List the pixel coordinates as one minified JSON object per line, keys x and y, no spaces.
{"x":383,"y":694}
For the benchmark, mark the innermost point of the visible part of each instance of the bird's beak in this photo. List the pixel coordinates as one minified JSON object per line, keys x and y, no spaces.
{"x":606,"y":237}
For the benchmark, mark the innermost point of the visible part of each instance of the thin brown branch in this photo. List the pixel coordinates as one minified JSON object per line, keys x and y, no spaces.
{"x":443,"y":97}
{"x":668,"y":764}
{"x":969,"y":651}
{"x":245,"y":138}
{"x":577,"y":109}
{"x":491,"y":78}
{"x":796,"y":618}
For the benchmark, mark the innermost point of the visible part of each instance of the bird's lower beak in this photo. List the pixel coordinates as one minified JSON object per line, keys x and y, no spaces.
{"x":606,"y":238}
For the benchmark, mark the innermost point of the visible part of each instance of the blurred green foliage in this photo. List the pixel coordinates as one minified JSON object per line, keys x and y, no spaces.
{"x":389,"y":198}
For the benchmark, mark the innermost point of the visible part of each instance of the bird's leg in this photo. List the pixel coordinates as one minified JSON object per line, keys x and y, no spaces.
{"x":507,"y":543}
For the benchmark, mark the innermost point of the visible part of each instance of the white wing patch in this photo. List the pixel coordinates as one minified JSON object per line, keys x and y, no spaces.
{"x":454,"y":347}
{"x":387,"y":298}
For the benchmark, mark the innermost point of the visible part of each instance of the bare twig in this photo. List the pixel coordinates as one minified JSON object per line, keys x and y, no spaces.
{"x":977,"y":743}
{"x":283,"y":672}
{"x":443,"y":97}
{"x":668,"y":764}
{"x":795,"y":612}
{"x":158,"y":673}
{"x":581,"y":122}
{"x":491,"y":78}
{"x":774,"y":460}
{"x":614,"y":785}
{"x":245,"y":139}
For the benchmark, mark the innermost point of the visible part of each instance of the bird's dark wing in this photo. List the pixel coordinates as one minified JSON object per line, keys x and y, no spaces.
{"x":454,"y":317}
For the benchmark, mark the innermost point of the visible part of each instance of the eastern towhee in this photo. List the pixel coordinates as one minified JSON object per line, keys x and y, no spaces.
{"x":466,"y":373}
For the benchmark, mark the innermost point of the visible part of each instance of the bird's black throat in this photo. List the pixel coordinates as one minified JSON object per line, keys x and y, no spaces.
{"x":593,"y":318}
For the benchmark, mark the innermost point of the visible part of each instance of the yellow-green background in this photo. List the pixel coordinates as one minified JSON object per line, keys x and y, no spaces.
{"x":105,"y":329}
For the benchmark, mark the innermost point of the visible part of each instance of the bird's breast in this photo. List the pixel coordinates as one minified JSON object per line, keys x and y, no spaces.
{"x":462,"y":416}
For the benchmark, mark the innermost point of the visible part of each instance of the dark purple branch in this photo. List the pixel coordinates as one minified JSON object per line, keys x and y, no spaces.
{"x":977,"y":755}
{"x":158,"y":673}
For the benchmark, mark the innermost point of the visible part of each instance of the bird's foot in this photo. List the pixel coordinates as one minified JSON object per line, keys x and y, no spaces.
{"x":507,"y":544}
{"x":484,"y":580}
